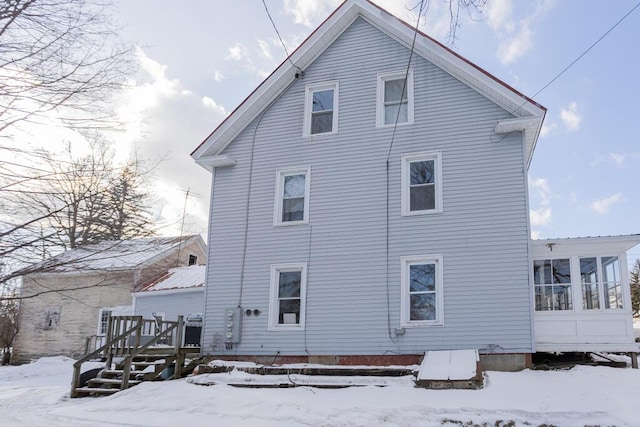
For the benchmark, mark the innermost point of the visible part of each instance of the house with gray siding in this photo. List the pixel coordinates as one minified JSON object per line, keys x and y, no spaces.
{"x":177,"y":292}
{"x":369,"y":203}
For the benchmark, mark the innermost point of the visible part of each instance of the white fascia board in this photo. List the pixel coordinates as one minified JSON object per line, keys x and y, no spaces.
{"x":210,"y":162}
{"x":606,"y":245}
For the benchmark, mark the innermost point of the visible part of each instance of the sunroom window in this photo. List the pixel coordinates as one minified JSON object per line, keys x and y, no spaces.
{"x":552,"y":280}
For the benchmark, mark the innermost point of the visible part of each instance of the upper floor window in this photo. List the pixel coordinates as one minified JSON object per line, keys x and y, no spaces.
{"x":292,"y":196}
{"x":421,"y":183}
{"x":287,"y":302}
{"x":395,"y":98}
{"x":421,"y":298}
{"x":321,"y":109}
{"x":193,"y":259}
{"x":552,"y":281}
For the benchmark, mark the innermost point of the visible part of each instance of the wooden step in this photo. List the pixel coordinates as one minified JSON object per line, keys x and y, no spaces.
{"x":96,"y":390}
{"x":110,"y":382}
{"x":110,"y":373}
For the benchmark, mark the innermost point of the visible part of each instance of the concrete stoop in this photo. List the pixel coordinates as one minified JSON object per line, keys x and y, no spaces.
{"x":451,"y":369}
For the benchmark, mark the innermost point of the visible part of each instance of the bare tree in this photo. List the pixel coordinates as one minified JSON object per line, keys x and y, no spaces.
{"x":634,"y":283}
{"x":58,"y":58}
{"x":473,"y":9}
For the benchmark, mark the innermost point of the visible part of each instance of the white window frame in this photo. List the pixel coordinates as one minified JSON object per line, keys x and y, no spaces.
{"x":395,"y":75}
{"x":405,"y":262}
{"x":274,"y":307}
{"x":279,"y":195}
{"x":308,"y":107}
{"x":106,"y":325}
{"x":405,"y":181}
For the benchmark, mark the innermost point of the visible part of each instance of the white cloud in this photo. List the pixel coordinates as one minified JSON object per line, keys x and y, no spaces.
{"x":535,"y":234}
{"x":515,"y":35}
{"x":540,"y":189}
{"x":218,"y":76}
{"x":547,"y":128}
{"x":309,"y":13}
{"x":166,"y":120}
{"x":571,"y":117}
{"x":603,"y":206}
{"x":237,"y":52}
{"x":540,"y":216}
{"x":618,"y":159}
{"x":265,"y":49}
{"x":515,"y":47}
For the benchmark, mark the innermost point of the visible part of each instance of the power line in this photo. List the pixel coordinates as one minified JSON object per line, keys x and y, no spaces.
{"x":280,"y":38}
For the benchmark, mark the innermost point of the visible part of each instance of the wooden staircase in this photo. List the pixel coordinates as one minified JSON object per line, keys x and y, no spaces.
{"x":133,"y":350}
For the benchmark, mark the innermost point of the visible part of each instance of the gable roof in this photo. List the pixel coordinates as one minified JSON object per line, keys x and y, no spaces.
{"x":180,"y":278}
{"x":528,"y":114}
{"x":112,"y":255}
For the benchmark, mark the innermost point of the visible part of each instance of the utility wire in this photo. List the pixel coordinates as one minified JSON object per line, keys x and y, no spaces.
{"x":280,"y":38}
{"x":588,"y":49}
{"x":393,"y":135}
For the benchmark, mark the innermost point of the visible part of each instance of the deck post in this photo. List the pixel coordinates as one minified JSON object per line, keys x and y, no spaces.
{"x":634,"y":360}
{"x":177,"y":373}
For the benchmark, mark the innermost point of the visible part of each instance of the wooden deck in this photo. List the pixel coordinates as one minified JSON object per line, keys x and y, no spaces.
{"x":133,"y":350}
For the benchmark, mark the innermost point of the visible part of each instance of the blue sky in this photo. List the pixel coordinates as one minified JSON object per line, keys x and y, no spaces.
{"x":201,"y":60}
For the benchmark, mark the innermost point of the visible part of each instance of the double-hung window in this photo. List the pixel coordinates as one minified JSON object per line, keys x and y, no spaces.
{"x":321,"y":109}
{"x":421,"y":298}
{"x":292,"y":196}
{"x":103,"y":321}
{"x":395,"y":98}
{"x":421,"y":183}
{"x":287,"y":302}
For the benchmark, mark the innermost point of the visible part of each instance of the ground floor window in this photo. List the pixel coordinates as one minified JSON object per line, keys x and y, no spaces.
{"x":287,"y":300}
{"x":595,"y":280}
{"x":103,"y":321}
{"x":552,"y":280}
{"x":421,"y":290}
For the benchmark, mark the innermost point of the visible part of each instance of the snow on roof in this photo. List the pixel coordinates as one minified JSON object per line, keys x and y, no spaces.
{"x":109,"y":255}
{"x":177,"y":278}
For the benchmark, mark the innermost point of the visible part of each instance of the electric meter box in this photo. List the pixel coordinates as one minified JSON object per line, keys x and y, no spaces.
{"x":232,"y":324}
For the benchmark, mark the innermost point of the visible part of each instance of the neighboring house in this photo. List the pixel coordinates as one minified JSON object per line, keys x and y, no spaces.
{"x":178,"y":292}
{"x":69,"y":297}
{"x":343,"y":237}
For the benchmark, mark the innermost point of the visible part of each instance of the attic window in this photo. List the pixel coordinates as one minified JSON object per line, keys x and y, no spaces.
{"x":193,"y":259}
{"x":395,"y":98}
{"x":321,"y":109}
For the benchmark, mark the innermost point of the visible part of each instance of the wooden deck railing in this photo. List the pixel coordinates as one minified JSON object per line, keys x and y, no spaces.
{"x":127,"y":337}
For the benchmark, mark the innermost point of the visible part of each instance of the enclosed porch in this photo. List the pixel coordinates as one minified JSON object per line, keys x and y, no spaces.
{"x":582,"y":299}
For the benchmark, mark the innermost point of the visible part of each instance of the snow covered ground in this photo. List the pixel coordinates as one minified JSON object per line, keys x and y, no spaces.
{"x":38,"y":395}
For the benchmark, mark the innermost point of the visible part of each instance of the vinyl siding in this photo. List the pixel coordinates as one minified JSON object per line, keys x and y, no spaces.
{"x":172,"y":305}
{"x":482,"y":233}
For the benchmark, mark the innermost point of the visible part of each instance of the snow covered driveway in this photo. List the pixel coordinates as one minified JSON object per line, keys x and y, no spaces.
{"x":37,"y":395}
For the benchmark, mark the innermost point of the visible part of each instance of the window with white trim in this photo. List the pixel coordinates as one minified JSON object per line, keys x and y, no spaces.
{"x":321,"y":109}
{"x":595,"y":280}
{"x":421,"y":291}
{"x":609,"y":287}
{"x":287,"y":296}
{"x":552,"y":281}
{"x":421,"y":183}
{"x":292,"y":196}
{"x":395,"y":98}
{"x":103,"y":321}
